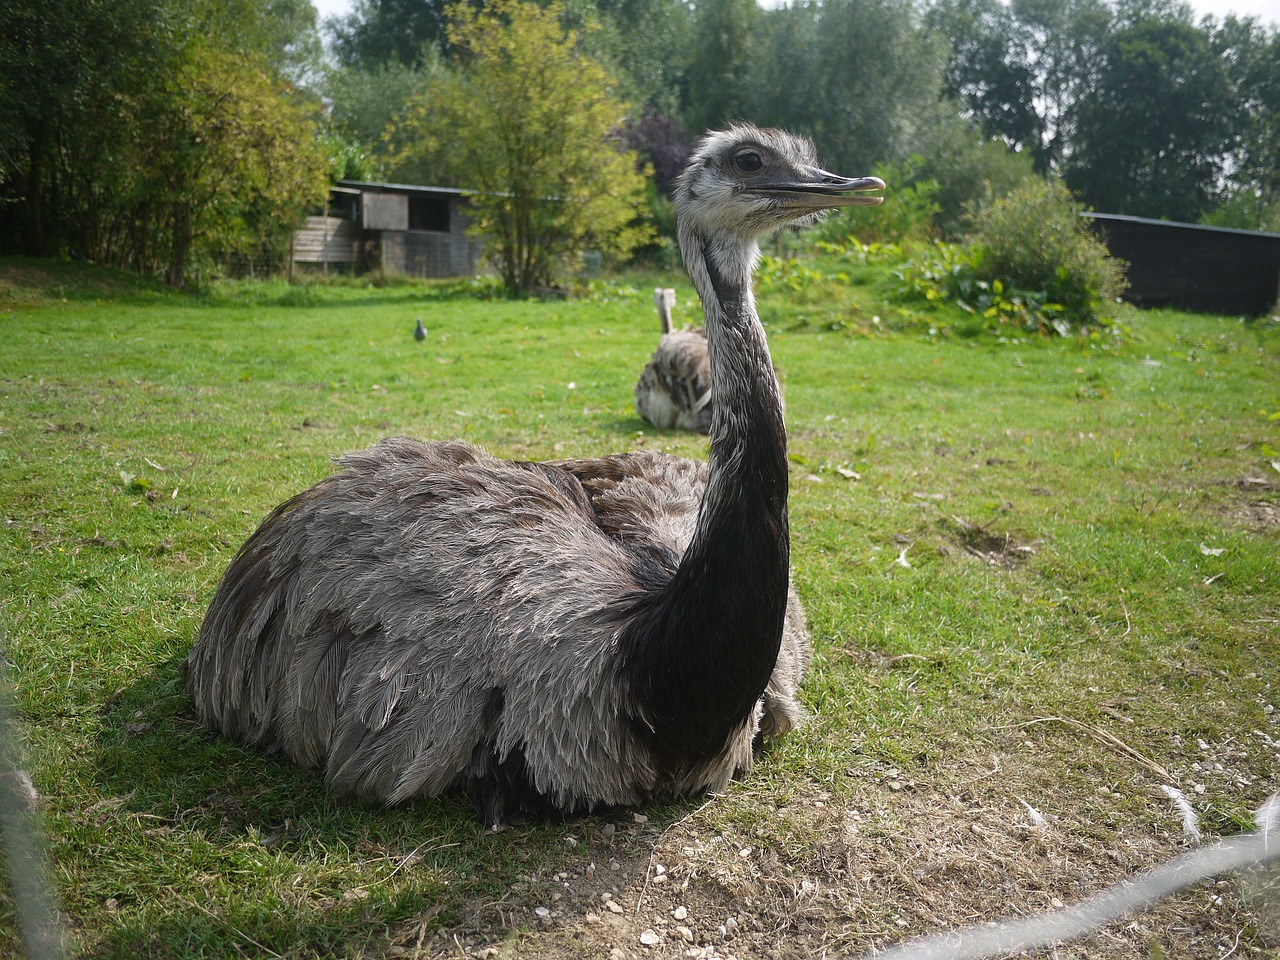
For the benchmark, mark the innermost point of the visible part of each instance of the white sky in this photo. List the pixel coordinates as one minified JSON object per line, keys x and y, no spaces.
{"x":1266,"y":10}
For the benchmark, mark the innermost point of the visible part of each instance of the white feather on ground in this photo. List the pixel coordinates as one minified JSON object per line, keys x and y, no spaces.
{"x":1037,"y":818}
{"x":1190,"y":820}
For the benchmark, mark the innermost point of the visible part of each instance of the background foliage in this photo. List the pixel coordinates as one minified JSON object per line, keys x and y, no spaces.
{"x":135,"y":130}
{"x":540,"y":117}
{"x":1136,"y":106}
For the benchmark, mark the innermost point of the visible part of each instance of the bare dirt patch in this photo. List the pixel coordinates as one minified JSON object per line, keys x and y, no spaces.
{"x":994,"y":549}
{"x":1256,"y":504}
{"x":894,"y":858}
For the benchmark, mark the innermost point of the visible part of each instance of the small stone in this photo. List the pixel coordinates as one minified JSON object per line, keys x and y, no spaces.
{"x":680,"y":913}
{"x":1269,"y":709}
{"x":612,"y":906}
{"x":1198,"y":788}
{"x":616,"y":954}
{"x":685,"y":933}
{"x":649,"y":938}
{"x":607,"y":829}
{"x":640,"y":818}
{"x":542,"y":913}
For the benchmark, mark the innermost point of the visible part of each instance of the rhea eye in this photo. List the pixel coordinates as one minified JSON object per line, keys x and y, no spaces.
{"x":748,"y":161}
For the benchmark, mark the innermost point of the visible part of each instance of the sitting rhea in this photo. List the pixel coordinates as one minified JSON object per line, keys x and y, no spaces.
{"x":674,"y":389}
{"x":551,"y":637}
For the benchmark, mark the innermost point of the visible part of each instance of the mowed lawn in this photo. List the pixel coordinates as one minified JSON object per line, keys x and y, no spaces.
{"x":1042,"y":577}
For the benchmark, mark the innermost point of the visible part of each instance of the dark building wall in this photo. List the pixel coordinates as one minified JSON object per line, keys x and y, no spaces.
{"x":1191,"y":267}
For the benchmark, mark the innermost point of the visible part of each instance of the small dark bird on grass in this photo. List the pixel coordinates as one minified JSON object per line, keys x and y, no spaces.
{"x":419,"y":332}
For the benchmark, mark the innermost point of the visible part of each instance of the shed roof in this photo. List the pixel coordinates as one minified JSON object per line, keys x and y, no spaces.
{"x":1125,"y":218}
{"x":402,"y":188}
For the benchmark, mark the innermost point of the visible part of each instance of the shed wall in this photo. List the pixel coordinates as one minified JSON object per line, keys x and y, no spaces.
{"x":1191,"y":267}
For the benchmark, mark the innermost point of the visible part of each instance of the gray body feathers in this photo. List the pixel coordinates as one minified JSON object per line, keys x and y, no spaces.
{"x":369,"y":624}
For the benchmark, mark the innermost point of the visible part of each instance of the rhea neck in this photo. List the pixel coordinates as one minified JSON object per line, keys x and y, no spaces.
{"x":715,"y":636}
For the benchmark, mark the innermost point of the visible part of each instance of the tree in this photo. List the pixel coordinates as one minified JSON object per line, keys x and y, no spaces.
{"x":1250,"y":54}
{"x":381,"y":32}
{"x":663,"y":143}
{"x":647,"y":44}
{"x":226,"y":157}
{"x":969,"y":171}
{"x":1151,"y":138}
{"x":132,"y":129}
{"x":1061,"y":40}
{"x":988,"y":70}
{"x":530,"y":127}
{"x":859,"y":76}
{"x":721,"y":82}
{"x":67,"y":69}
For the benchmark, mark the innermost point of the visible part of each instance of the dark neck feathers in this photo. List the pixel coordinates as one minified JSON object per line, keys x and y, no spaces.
{"x":702,"y":653}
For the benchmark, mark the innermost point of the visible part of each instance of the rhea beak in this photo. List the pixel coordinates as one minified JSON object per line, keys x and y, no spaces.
{"x":819,"y":190}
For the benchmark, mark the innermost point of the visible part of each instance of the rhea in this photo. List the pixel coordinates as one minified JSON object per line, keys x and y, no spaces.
{"x":674,"y":389}
{"x":553,"y":638}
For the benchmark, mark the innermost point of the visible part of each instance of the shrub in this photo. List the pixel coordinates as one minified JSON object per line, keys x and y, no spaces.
{"x":1035,"y":240}
{"x":952,"y":273}
{"x":969,"y":170}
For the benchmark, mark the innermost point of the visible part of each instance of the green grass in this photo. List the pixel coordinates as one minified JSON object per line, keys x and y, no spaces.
{"x":144,"y":434}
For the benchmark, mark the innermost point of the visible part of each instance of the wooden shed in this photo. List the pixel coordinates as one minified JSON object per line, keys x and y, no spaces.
{"x":397,"y":228}
{"x":1192,"y":267}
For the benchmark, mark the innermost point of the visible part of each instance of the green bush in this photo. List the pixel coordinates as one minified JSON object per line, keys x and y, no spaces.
{"x":969,"y":170}
{"x":1035,"y":240}
{"x":951,"y":273}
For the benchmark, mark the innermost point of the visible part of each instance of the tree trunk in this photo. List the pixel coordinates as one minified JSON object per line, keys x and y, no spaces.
{"x":176,"y":273}
{"x":34,"y":236}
